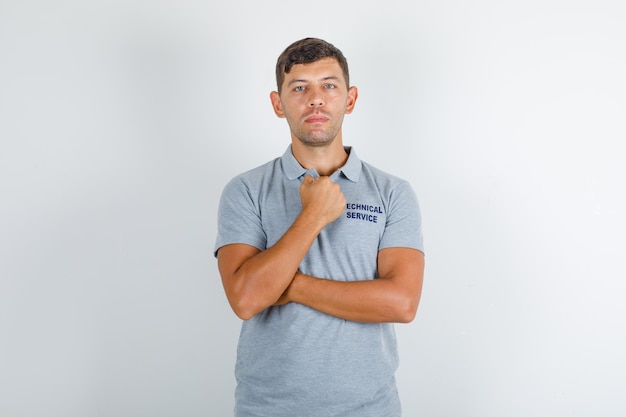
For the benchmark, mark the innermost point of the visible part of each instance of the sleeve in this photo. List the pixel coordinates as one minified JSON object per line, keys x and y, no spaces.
{"x":403,"y":227}
{"x":238,"y":218}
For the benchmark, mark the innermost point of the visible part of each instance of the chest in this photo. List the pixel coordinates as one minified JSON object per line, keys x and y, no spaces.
{"x":360,"y":226}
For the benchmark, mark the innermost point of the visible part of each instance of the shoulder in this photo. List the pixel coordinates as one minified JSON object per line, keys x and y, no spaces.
{"x":384,"y":181}
{"x":254,"y":177}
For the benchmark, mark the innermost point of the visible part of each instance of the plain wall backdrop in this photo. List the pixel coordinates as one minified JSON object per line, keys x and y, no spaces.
{"x":121,"y":121}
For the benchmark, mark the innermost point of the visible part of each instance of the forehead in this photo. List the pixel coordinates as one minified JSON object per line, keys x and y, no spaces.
{"x":324,"y":68}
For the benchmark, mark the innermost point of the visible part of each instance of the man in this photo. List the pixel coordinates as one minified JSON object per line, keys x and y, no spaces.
{"x":319,"y":254}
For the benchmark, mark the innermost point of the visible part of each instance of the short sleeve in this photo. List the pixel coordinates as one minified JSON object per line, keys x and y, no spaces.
{"x":403,"y":226}
{"x":238,"y":217}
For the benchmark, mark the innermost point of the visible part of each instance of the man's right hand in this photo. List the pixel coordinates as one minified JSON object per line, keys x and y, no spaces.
{"x":322,"y":198}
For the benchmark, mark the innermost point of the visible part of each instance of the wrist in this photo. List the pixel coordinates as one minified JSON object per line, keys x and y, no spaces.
{"x":295,"y":288}
{"x":311,"y":222}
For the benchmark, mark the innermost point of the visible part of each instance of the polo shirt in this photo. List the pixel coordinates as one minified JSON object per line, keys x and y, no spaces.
{"x":293,"y":360}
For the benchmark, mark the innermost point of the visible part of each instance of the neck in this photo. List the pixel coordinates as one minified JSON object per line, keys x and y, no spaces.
{"x":324,"y":159}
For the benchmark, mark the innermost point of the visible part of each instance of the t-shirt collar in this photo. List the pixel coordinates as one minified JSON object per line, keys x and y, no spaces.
{"x":293,"y":169}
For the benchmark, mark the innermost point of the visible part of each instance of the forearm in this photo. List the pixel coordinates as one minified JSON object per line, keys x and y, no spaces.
{"x":370,"y":301}
{"x":394,"y":297}
{"x":259,"y":280}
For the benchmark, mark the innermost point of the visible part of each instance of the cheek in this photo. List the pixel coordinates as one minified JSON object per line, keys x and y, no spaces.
{"x":291,"y":107}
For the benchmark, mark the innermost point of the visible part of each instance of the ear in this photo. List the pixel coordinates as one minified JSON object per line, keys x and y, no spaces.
{"x":353,"y":94}
{"x":277,"y":105}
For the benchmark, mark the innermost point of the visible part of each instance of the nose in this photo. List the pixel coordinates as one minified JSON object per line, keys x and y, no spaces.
{"x":315,"y":99}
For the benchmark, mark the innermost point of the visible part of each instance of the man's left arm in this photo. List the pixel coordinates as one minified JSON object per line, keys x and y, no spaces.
{"x":394,"y":297}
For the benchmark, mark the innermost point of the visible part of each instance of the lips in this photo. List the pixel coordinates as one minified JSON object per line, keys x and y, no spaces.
{"x":316,"y":118}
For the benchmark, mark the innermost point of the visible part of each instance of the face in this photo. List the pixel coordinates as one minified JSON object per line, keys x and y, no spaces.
{"x":314,"y":99}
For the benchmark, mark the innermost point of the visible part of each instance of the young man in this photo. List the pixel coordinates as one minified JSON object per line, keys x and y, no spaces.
{"x":319,"y":253}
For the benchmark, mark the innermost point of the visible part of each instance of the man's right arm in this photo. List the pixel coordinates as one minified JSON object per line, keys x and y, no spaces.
{"x":254,"y":280}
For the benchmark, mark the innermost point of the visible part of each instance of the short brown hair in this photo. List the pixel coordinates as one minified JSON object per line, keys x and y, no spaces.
{"x":306,"y":51}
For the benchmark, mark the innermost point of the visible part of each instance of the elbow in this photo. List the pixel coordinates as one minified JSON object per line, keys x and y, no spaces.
{"x":406,"y":316}
{"x":243,"y":314}
{"x":245,"y":307}
{"x":406,"y":306}
{"x":405,"y":311}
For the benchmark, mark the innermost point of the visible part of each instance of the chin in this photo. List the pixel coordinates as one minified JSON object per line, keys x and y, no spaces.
{"x":316,"y":141}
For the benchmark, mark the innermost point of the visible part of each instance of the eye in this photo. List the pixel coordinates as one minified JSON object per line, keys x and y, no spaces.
{"x":330,"y":86}
{"x":298,"y":88}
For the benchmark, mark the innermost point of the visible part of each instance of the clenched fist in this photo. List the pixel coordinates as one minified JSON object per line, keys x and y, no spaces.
{"x":322,"y":198}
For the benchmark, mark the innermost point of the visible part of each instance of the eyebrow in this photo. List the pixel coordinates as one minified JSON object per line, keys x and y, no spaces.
{"x":300,"y":80}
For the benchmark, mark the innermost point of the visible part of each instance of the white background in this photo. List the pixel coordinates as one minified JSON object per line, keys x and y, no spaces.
{"x":121,"y":121}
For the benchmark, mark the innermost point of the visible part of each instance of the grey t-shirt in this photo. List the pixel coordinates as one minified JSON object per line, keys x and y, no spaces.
{"x":293,"y":360}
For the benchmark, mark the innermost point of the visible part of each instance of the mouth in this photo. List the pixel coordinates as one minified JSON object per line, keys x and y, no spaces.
{"x":316,"y":119}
